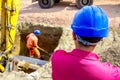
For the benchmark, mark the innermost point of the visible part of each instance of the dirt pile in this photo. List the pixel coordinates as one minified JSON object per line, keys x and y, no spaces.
{"x":112,"y":53}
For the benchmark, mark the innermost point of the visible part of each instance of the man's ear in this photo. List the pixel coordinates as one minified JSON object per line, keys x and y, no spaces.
{"x":74,"y":36}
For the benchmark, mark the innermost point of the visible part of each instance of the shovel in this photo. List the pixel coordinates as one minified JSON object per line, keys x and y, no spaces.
{"x":44,"y":51}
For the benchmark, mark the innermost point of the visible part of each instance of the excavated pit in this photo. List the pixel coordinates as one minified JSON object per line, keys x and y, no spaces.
{"x":48,"y":40}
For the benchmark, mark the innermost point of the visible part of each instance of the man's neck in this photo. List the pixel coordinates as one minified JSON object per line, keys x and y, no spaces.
{"x":85,"y":48}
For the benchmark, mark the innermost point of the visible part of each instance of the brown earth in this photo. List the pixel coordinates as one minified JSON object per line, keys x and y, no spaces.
{"x":63,"y":12}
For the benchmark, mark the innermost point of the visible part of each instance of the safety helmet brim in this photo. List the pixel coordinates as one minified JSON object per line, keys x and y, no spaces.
{"x":83,"y":31}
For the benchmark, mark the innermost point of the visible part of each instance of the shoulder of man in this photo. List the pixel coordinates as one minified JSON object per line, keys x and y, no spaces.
{"x":29,"y":35}
{"x":60,"y":52}
{"x":32,"y":36}
{"x":113,"y":71}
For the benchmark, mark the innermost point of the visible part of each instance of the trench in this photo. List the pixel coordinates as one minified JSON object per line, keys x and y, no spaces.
{"x":48,"y":40}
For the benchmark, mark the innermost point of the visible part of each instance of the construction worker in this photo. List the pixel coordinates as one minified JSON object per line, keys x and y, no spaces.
{"x":90,"y":25}
{"x":32,"y":44}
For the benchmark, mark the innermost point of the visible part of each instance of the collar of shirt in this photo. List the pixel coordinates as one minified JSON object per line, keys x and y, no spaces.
{"x":84,"y":54}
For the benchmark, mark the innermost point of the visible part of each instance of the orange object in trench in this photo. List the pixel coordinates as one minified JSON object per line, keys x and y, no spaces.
{"x":32,"y":41}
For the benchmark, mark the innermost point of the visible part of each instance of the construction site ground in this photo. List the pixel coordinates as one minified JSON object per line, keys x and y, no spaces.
{"x":56,"y":37}
{"x":62,"y":13}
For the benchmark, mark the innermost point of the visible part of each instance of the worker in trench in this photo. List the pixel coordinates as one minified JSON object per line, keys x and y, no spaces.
{"x":32,"y":44}
{"x":90,"y":26}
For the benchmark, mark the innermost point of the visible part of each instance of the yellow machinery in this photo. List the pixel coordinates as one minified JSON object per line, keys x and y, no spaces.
{"x":9,"y":18}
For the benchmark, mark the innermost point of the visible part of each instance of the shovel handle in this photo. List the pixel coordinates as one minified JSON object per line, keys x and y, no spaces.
{"x":44,"y":51}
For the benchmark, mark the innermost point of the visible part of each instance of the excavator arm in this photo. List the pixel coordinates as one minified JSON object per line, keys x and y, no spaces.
{"x":9,"y":18}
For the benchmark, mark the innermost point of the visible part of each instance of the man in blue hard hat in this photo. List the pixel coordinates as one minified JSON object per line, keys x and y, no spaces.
{"x":32,"y":44}
{"x":90,"y":25}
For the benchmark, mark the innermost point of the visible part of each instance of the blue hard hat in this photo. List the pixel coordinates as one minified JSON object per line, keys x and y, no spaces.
{"x":90,"y":21}
{"x":37,"y":32}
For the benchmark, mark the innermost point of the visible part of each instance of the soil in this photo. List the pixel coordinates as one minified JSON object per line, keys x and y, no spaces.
{"x":62,"y":13}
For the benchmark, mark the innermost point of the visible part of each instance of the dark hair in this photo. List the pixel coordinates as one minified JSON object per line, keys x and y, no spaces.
{"x":92,"y":39}
{"x":89,"y":41}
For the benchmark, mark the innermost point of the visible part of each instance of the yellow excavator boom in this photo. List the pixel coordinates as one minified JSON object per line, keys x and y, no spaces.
{"x":9,"y":18}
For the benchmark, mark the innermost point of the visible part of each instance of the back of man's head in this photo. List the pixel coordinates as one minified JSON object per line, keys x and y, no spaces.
{"x":90,"y":25}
